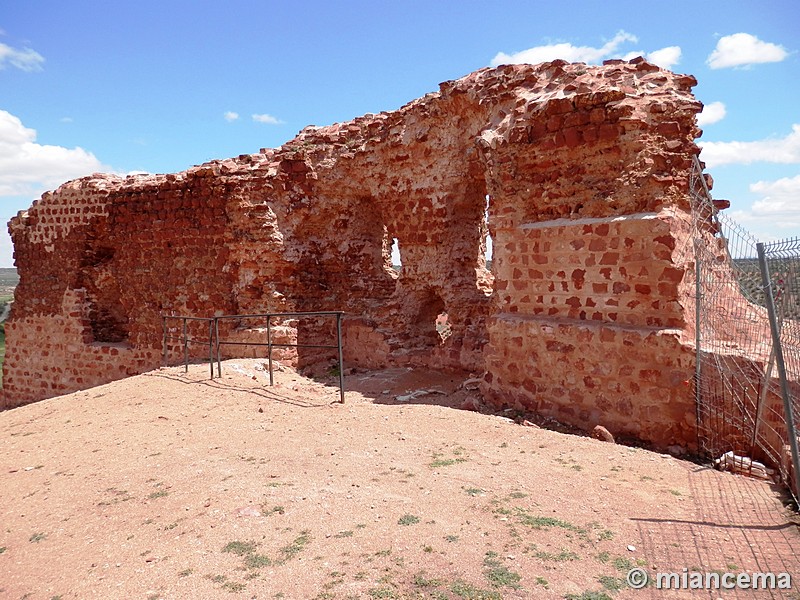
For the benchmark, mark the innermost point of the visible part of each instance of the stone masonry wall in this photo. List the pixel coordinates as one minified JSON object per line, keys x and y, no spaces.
{"x":579,"y":174}
{"x":591,"y":325}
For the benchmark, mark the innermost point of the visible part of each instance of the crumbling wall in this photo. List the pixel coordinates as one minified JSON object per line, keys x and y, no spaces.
{"x":579,"y":173}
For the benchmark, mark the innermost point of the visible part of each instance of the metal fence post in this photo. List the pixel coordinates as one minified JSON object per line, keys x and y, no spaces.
{"x":779,"y":362}
{"x":698,"y":295}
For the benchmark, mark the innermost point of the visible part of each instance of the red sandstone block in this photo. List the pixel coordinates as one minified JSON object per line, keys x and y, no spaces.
{"x":546,"y":144}
{"x":554,"y":123}
{"x":597,"y":115}
{"x":671,"y":274}
{"x":609,"y":258}
{"x":597,"y":245}
{"x":590,"y":135}
{"x":607,"y":132}
{"x":573,"y":138}
{"x":537,"y":130}
{"x":668,"y":128}
{"x":560,"y":347}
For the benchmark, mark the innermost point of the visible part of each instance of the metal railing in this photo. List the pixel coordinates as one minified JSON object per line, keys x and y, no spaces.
{"x":186,"y":340}
{"x":215,"y":341}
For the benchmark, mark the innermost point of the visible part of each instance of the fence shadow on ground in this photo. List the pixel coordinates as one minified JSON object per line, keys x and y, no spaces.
{"x":734,"y":527}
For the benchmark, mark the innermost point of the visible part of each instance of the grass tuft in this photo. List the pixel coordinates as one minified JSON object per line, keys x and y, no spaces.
{"x":498,"y":574}
{"x":297,"y":545}
{"x":408,"y":520}
{"x":240,"y":548}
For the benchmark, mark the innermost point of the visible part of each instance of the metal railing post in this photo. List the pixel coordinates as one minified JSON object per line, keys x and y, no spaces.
{"x":216,"y":336}
{"x":211,"y":346}
{"x":269,"y":348}
{"x":185,"y":348}
{"x":164,"y":341}
{"x":341,"y":360}
{"x":779,"y":363}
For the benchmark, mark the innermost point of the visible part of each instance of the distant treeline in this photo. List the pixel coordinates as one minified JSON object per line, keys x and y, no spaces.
{"x":8,"y":277}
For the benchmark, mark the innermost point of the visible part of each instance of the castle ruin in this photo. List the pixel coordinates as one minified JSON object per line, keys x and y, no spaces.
{"x":579,"y":175}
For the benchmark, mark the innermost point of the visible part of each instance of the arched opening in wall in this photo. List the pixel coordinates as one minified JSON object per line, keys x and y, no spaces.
{"x":443,"y":327}
{"x":485,"y":271}
{"x":487,"y":235}
{"x":397,"y":260}
{"x":392,"y":263}
{"x":431,"y":326}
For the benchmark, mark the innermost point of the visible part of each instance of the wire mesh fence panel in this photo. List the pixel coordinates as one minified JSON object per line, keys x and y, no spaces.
{"x":783,"y":269}
{"x":737,"y":389}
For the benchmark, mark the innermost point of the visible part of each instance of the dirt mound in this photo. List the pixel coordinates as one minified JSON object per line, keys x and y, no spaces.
{"x":168,"y":485}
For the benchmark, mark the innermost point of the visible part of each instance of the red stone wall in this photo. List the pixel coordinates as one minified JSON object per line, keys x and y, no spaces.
{"x":585,"y":313}
{"x":590,"y":324}
{"x":617,"y":270}
{"x":631,"y":380}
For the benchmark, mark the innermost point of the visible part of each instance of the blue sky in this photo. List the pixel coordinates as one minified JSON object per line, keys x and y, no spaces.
{"x":161,"y":86}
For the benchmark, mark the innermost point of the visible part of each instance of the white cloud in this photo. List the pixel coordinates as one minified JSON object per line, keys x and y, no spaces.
{"x":565,"y":51}
{"x":779,"y":198}
{"x":231,"y":116}
{"x":712,"y":113}
{"x":25,"y":59}
{"x":743,"y":49}
{"x":666,"y":58}
{"x":28,"y":168}
{"x":268,"y":119}
{"x":776,"y":214}
{"x":66,"y":119}
{"x":785,"y":150}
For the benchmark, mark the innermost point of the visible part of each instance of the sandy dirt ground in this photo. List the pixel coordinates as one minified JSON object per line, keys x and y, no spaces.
{"x":170,"y":485}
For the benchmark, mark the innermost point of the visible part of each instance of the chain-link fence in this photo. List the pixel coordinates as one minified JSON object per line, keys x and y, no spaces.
{"x":780,"y":271}
{"x":741,"y":385}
